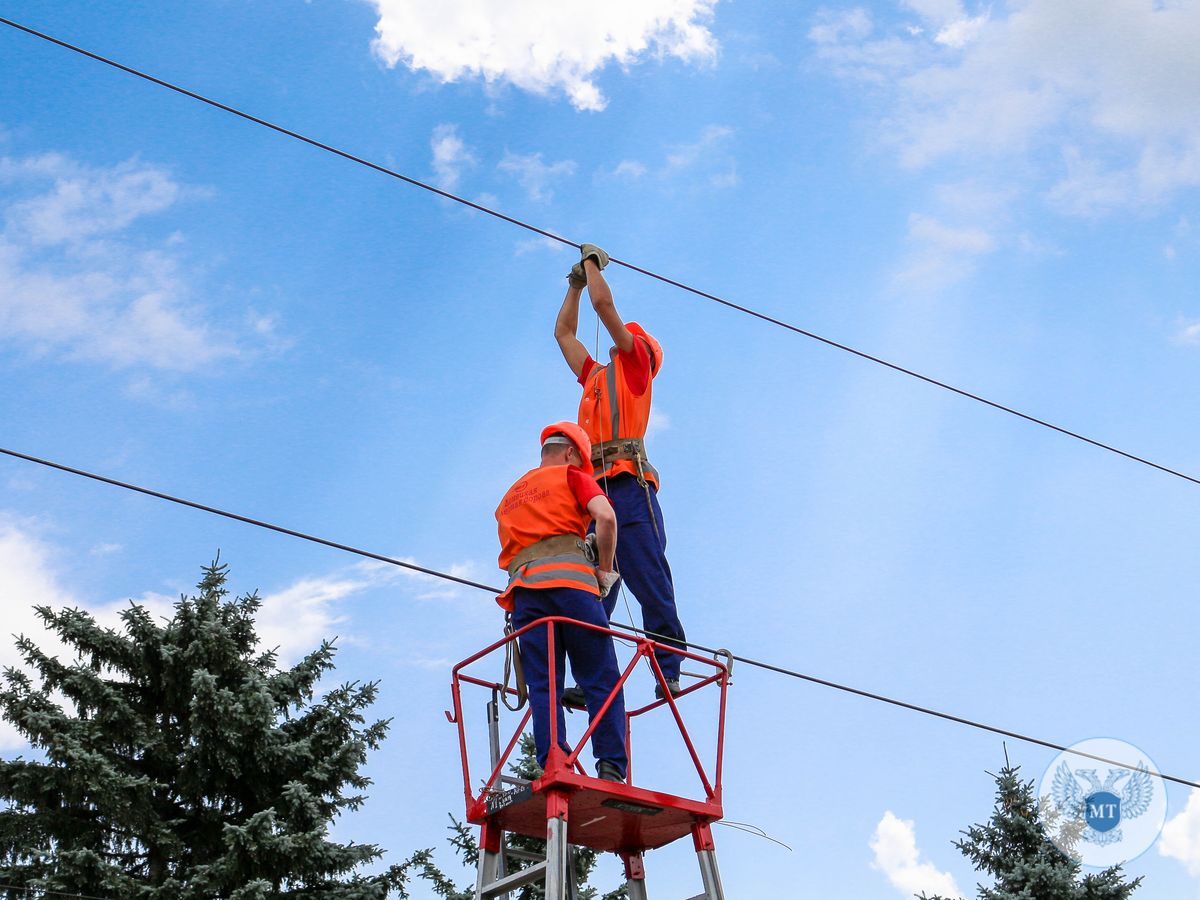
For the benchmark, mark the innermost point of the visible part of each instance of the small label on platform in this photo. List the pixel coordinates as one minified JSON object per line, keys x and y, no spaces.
{"x":499,"y":800}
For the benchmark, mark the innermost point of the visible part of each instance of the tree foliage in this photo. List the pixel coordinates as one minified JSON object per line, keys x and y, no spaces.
{"x":1014,"y":848}
{"x":177,"y":760}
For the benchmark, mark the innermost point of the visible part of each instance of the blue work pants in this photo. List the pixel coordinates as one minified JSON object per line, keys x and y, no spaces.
{"x":642,"y":562}
{"x":593,"y":662}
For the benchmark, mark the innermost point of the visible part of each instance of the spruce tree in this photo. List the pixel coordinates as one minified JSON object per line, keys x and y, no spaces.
{"x":1015,"y":849}
{"x":178,"y":761}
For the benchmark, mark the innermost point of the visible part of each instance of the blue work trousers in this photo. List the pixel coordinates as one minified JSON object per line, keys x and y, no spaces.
{"x":593,"y":662}
{"x":642,"y":562}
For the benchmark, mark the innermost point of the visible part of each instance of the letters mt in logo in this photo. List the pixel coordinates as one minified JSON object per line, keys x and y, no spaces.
{"x":1098,"y":804}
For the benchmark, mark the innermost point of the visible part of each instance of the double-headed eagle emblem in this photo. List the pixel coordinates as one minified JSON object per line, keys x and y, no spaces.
{"x":1102,"y":806}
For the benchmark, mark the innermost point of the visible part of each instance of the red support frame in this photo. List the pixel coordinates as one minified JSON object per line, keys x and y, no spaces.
{"x":625,"y":818}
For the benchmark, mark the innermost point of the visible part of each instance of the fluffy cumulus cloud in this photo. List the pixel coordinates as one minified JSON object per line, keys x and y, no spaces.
{"x":1180,"y":837}
{"x":75,"y":283}
{"x":896,"y":856}
{"x":543,"y":46}
{"x":1098,"y":106}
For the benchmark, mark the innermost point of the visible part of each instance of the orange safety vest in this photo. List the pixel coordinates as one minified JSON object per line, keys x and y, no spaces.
{"x":540,"y":505}
{"x":609,"y":411}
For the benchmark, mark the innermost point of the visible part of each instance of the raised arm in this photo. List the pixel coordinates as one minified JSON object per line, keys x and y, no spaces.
{"x":565,"y":327}
{"x":602,"y":302}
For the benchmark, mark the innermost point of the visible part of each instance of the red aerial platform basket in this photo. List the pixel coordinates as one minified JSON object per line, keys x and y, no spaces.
{"x":565,"y":805}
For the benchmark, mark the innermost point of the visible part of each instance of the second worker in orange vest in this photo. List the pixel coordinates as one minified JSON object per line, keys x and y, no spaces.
{"x":614,"y":412}
{"x":542,"y":522}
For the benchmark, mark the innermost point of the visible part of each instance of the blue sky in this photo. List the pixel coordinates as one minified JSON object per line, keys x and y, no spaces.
{"x":1001,"y":196}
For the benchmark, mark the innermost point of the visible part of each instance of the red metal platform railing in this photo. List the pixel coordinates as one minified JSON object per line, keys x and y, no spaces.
{"x":626,"y":818}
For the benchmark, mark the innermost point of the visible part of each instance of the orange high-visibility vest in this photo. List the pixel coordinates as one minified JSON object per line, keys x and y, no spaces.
{"x":540,"y":505}
{"x":609,"y":411}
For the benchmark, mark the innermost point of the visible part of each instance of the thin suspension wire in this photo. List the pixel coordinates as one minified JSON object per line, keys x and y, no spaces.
{"x":249,"y":521}
{"x":829,"y":342}
{"x":715,"y":651}
{"x":751,"y":829}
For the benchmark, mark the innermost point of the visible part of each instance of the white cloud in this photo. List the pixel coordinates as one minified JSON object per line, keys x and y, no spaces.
{"x":937,"y":13}
{"x":629,"y":168}
{"x":658,"y":423}
{"x":962,"y":240}
{"x":942,"y":254}
{"x":534,"y":175}
{"x":960,"y":32}
{"x":838,"y":28}
{"x":543,"y":46}
{"x":430,"y":588}
{"x":297,"y":618}
{"x":26,"y":579}
{"x":74,"y":283}
{"x":450,"y":156}
{"x":1111,"y":90}
{"x":685,"y":156}
{"x":539,"y":243}
{"x":895,"y":847}
{"x":1180,"y":837}
{"x":1187,"y":332}
{"x":706,"y":159}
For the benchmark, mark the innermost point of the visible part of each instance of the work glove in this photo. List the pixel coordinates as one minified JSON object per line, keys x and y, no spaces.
{"x":575,"y":277}
{"x":596,"y":253}
{"x":607,"y":580}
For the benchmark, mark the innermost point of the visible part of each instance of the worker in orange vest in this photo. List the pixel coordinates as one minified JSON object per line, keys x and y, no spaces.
{"x":543,"y":524}
{"x":614,"y":412}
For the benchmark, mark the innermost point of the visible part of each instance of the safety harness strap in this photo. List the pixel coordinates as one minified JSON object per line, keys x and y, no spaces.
{"x":555,"y":545}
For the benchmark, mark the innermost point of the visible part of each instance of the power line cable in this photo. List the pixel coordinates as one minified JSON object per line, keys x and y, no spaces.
{"x":829,"y":342}
{"x":715,"y":651}
{"x":259,"y":523}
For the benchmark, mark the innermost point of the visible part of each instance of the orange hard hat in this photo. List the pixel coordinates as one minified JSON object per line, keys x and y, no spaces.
{"x":656,"y":353}
{"x":576,"y":436}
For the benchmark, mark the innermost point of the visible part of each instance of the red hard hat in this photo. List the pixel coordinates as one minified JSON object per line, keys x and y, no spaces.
{"x":656,"y":353}
{"x":577,"y":436}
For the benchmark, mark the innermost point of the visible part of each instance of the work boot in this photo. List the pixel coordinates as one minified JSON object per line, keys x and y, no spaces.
{"x":572,"y":698}
{"x":607,"y":771}
{"x":672,"y":686}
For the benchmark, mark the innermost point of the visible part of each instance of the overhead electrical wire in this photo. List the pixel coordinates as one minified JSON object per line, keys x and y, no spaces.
{"x":896,"y":367}
{"x":717,"y":652}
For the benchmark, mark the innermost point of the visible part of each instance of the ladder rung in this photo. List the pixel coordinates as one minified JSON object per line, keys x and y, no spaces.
{"x":528,"y":855}
{"x":515,"y":880}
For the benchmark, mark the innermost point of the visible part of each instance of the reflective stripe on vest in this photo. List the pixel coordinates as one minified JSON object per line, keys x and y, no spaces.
{"x":568,"y":570}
